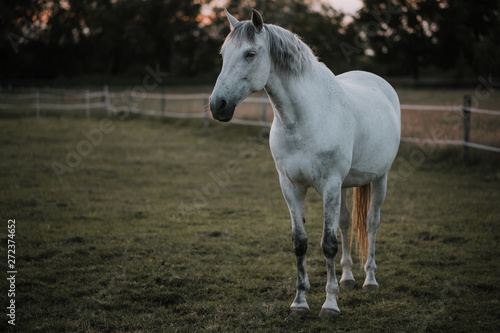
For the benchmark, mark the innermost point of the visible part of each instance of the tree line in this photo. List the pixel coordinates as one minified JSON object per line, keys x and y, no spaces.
{"x":46,"y":40}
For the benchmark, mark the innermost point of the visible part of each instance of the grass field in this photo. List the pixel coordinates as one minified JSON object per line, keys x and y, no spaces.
{"x":171,"y":227}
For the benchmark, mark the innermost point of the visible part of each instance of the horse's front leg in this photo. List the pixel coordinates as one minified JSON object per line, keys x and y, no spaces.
{"x":331,"y":202}
{"x":294,"y":197}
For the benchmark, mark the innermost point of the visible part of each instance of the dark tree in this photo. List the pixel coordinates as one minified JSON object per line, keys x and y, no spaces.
{"x":455,"y":37}
{"x":401,"y":33}
{"x":76,"y":37}
{"x":469,"y":38}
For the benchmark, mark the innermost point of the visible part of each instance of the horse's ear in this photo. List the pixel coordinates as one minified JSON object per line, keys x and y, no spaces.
{"x":257,"y":20}
{"x":232,"y":20}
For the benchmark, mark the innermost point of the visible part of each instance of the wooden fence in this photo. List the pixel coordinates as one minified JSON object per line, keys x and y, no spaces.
{"x":38,"y":100}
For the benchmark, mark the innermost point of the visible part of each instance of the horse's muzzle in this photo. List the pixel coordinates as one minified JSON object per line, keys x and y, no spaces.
{"x":221,"y":109}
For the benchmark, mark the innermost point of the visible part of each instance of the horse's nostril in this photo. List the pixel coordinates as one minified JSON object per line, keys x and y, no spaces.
{"x":218,"y":104}
{"x":222,"y":104}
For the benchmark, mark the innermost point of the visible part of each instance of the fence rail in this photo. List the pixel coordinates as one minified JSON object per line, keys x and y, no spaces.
{"x":33,"y":100}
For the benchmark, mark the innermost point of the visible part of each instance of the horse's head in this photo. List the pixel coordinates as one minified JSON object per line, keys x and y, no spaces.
{"x":246,"y":66}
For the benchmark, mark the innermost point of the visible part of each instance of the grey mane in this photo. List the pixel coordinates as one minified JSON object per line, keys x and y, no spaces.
{"x":289,"y":53}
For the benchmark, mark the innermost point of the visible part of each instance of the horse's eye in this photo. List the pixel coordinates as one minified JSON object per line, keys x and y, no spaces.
{"x":250,"y":54}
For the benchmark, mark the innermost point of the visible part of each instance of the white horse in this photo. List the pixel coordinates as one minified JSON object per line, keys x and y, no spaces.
{"x":329,"y":132}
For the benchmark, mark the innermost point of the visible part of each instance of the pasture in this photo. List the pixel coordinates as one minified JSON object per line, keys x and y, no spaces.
{"x":165,"y":226}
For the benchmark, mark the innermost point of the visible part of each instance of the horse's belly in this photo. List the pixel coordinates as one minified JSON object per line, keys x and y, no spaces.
{"x":357,"y":178}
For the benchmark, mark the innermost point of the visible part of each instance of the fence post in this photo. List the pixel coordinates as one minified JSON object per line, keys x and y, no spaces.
{"x":107,"y":104}
{"x":87,"y":102}
{"x":129,"y":100}
{"x":206,"y":121}
{"x":163,"y":102}
{"x":37,"y":102}
{"x":466,"y":111}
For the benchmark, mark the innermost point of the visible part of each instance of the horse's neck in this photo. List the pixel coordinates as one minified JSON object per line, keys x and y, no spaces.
{"x":287,"y":99}
{"x":293,"y":98}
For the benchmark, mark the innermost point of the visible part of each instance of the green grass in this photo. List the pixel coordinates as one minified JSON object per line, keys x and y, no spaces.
{"x":171,"y":227}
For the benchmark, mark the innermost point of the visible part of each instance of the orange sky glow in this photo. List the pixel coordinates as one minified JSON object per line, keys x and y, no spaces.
{"x":349,"y":7}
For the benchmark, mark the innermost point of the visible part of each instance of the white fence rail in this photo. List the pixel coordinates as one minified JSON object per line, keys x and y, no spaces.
{"x":37,"y":101}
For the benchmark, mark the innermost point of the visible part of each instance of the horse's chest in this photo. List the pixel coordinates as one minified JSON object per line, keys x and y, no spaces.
{"x":305,"y":163}
{"x":298,"y":168}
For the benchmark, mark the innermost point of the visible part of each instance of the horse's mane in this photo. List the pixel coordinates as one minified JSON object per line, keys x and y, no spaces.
{"x":289,"y":53}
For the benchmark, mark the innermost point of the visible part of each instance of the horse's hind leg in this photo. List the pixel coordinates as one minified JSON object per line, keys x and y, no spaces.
{"x":379,"y":189}
{"x":294,"y":198}
{"x":347,"y":280}
{"x":332,"y":203}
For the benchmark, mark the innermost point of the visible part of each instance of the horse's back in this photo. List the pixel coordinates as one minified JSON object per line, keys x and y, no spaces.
{"x":369,"y":86}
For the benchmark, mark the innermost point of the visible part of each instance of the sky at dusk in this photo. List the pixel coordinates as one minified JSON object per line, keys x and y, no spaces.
{"x":347,"y":6}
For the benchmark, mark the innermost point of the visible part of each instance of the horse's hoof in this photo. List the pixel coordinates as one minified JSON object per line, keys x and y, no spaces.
{"x":347,"y":284}
{"x":370,"y":287}
{"x":328,"y":313}
{"x":298,"y":312}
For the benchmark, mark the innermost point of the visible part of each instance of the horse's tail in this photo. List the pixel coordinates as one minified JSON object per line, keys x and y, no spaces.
{"x":361,"y":203}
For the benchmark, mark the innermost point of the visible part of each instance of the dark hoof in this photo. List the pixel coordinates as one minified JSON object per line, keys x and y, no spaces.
{"x":347,"y":284}
{"x":370,"y":287}
{"x":298,"y":312}
{"x":328,"y":313}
